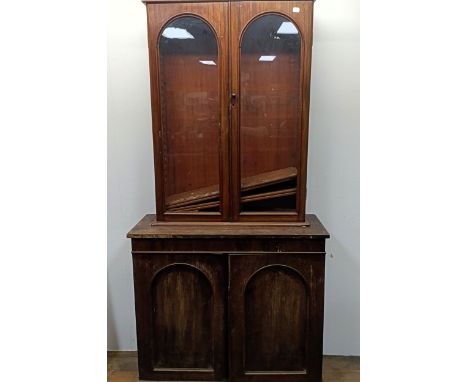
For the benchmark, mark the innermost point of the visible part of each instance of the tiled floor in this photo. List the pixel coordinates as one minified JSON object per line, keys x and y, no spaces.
{"x":122,"y":367}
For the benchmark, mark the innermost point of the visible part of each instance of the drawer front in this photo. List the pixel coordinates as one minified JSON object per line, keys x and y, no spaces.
{"x":230,"y":245}
{"x":180,"y":303}
{"x":276,"y":317}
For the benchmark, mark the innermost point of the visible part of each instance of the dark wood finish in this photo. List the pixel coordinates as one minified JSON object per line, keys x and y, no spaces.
{"x":193,"y":196}
{"x":276,"y":317}
{"x":215,"y":15}
{"x":211,"y":187}
{"x":274,"y":275}
{"x":242,"y":14}
{"x":268,"y":178}
{"x":244,"y":199}
{"x":229,"y":273}
{"x":180,"y":302}
{"x":190,"y":140}
{"x":197,"y":206}
{"x":205,"y":197}
{"x":312,"y":229}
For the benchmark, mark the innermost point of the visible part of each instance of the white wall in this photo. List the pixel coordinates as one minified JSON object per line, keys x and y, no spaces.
{"x":333,"y":176}
{"x":130,"y":175}
{"x":333,"y":186}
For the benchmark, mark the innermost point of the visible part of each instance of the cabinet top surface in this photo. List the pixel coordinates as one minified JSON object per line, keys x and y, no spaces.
{"x":148,"y":228}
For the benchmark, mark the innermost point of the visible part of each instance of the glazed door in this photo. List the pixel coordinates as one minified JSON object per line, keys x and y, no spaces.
{"x":276,"y":315}
{"x":188,"y":48}
{"x":270,"y":73}
{"x":180,"y":302}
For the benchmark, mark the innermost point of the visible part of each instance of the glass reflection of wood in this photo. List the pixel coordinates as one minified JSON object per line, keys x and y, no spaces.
{"x":270,"y":110}
{"x":190,"y":118}
{"x":269,"y":185}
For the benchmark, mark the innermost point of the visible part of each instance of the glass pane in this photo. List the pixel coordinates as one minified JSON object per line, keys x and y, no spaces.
{"x":190,"y":115}
{"x":270,"y":114}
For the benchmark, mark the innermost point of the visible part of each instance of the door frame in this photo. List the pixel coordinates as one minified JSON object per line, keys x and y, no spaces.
{"x":242,"y":13}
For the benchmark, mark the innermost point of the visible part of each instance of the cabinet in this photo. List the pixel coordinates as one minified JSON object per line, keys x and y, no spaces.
{"x":223,"y":302}
{"x":230,"y":101}
{"x":229,"y":273}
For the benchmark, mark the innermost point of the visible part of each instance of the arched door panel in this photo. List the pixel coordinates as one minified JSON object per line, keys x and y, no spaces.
{"x":189,"y":76}
{"x":270,"y":111}
{"x":270,"y":71}
{"x":276,"y":301}
{"x":276,"y":315}
{"x":180,"y":303}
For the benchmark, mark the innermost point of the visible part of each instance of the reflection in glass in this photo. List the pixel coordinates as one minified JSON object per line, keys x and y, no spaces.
{"x":266,"y":58}
{"x":190,"y":115}
{"x":287,"y":27}
{"x":270,"y":114}
{"x":180,"y":33}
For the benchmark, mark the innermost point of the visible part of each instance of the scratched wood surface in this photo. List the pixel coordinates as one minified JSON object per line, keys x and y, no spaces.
{"x":148,"y":228}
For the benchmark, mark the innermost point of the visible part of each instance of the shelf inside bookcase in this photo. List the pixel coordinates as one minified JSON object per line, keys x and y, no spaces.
{"x":268,"y":185}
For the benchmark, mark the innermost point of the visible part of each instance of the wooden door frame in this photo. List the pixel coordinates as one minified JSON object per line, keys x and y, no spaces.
{"x":146,"y":266}
{"x":311,"y":267}
{"x":215,"y":15}
{"x":239,"y":20}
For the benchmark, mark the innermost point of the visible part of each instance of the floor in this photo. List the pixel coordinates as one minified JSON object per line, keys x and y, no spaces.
{"x":122,"y":367}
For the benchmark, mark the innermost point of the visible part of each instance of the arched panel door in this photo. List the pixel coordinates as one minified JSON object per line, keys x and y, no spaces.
{"x":276,"y":315}
{"x":190,"y":116}
{"x":182,"y":303}
{"x":271,"y":49}
{"x":181,"y":316}
{"x":276,"y":301}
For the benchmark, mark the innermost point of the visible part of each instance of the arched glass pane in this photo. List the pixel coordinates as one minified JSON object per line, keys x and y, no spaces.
{"x":190,"y":115}
{"x":270,"y":114}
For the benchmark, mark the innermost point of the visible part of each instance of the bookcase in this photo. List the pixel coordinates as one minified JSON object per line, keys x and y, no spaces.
{"x":229,"y":272}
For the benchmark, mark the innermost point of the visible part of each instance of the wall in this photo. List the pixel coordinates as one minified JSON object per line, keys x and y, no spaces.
{"x":333,"y":181}
{"x":130,"y":176}
{"x":333,"y":186}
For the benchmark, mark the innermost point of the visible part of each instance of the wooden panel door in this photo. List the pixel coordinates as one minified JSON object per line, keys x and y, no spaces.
{"x":180,"y":310}
{"x":188,"y":51}
{"x":276,"y":317}
{"x":270,"y":74}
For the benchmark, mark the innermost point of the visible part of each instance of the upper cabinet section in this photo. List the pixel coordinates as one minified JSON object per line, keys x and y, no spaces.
{"x":230,"y":99}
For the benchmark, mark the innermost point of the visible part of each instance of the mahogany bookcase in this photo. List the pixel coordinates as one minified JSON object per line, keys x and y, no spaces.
{"x":229,"y":272}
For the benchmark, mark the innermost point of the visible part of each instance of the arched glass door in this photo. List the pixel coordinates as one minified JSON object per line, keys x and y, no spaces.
{"x":189,"y":77}
{"x":270,"y":114}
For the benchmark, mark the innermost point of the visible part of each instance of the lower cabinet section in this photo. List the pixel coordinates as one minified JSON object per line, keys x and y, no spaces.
{"x":237,"y":317}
